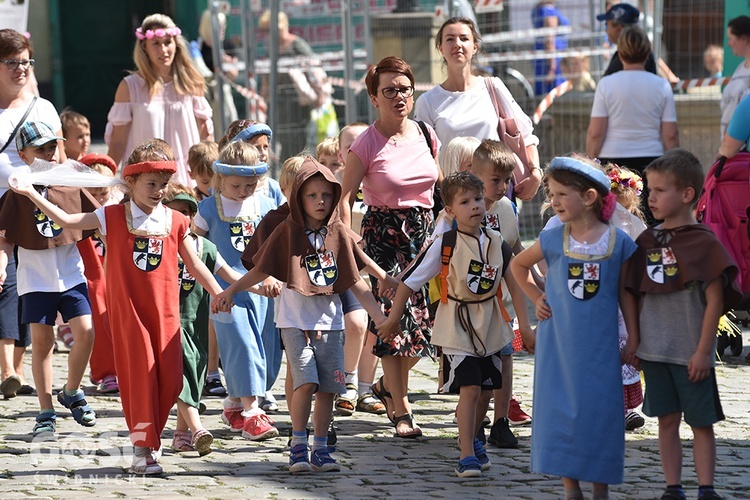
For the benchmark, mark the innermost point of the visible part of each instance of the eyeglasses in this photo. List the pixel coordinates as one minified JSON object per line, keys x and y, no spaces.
{"x":391,"y":92}
{"x":13,"y":64}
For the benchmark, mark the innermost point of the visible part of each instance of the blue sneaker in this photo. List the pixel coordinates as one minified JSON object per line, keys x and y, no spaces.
{"x":481,"y":454}
{"x":299,"y":460}
{"x":469,"y":467}
{"x":322,"y":460}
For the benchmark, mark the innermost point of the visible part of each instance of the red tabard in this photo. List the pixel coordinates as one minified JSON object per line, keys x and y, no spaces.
{"x":144,"y":311}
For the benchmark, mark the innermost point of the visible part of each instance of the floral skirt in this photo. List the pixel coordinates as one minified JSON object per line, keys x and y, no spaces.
{"x":393,"y":238}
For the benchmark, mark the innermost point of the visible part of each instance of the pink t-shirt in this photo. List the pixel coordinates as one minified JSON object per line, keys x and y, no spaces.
{"x":397,"y":175}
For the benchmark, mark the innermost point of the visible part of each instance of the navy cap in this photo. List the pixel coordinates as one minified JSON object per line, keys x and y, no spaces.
{"x":623,"y":13}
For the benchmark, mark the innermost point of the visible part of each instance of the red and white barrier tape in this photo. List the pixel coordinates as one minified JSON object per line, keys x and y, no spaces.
{"x":549,"y":99}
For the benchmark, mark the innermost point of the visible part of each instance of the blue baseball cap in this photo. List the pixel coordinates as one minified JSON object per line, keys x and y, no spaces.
{"x":35,"y":134}
{"x":623,"y":13}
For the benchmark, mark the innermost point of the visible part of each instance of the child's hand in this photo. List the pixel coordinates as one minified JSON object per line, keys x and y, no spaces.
{"x":3,"y":277}
{"x":388,"y":287}
{"x":387,"y":327}
{"x":271,"y":287}
{"x":699,"y":367}
{"x":628,"y":354}
{"x":543,"y":310}
{"x":18,"y":184}
{"x":529,"y":339}
{"x":222,"y":302}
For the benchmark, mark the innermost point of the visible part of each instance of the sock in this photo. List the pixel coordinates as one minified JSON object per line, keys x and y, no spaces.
{"x":320,"y":442}
{"x":351,"y":378}
{"x":50,"y":411}
{"x":213,"y":375}
{"x":69,"y":393}
{"x":252,"y":412}
{"x":229,"y":404}
{"x":364,"y":387}
{"x":705,"y":488}
{"x":299,"y":438}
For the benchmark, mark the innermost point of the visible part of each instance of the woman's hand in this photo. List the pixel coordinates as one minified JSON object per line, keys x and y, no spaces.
{"x":527,"y":188}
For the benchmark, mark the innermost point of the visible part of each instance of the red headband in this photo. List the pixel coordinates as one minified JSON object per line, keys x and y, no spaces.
{"x":94,"y":158}
{"x":145,"y":167}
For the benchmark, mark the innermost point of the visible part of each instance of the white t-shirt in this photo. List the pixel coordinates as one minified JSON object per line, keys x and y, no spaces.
{"x":635,"y":104}
{"x":470,"y":113}
{"x":43,"y":111}
{"x":733,"y":94}
{"x":51,"y":270}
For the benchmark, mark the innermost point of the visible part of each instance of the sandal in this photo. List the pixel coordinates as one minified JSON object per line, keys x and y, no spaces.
{"x":382,"y":394}
{"x":82,"y":412}
{"x":109,"y":385}
{"x":10,"y":386}
{"x":202,"y":440}
{"x":370,"y":404}
{"x":344,"y":405}
{"x":182,"y":441}
{"x":65,"y":334}
{"x":45,"y":424}
{"x":409,"y":419}
{"x":145,"y":466}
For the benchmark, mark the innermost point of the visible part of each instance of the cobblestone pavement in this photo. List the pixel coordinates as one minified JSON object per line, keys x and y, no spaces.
{"x":94,"y":462}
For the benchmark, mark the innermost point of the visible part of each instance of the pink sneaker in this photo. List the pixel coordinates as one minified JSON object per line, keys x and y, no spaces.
{"x":259,"y":427}
{"x":516,"y":416}
{"x":233,"y":418}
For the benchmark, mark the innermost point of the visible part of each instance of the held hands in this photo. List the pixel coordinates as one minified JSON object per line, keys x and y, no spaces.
{"x":271,"y":287}
{"x":388,"y":287}
{"x":528,"y":335}
{"x":628,"y":354}
{"x":222,"y":302}
{"x":388,"y":327}
{"x":699,"y":367}
{"x":543,"y":310}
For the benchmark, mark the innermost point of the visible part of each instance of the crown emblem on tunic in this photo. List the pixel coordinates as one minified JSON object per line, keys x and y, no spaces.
{"x":40,"y":215}
{"x":186,"y":285}
{"x":330,"y":273}
{"x":235,"y":229}
{"x":485,"y":285}
{"x":654,"y":257}
{"x":576,"y":271}
{"x":670,"y":270}
{"x":476,"y":267}
{"x":153,"y":260}
{"x":55,"y":226}
{"x":140,"y":244}
{"x":591,"y":287}
{"x":313,"y":262}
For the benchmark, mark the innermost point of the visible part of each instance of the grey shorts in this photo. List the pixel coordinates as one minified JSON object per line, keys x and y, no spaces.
{"x":316,"y":361}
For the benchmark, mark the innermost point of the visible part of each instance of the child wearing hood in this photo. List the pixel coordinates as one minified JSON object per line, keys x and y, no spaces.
{"x":317,"y":257}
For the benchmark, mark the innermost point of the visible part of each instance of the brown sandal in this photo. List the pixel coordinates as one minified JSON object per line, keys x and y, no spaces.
{"x":415,"y":430}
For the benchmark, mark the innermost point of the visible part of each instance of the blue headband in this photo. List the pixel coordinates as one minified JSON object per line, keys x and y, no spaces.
{"x":252,"y":131}
{"x":241,"y":170}
{"x":581,"y":168}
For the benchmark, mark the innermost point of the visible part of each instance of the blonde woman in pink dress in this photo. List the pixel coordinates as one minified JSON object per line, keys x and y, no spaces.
{"x":163,"y":99}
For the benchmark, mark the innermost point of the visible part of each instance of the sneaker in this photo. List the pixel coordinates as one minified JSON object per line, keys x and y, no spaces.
{"x":673,"y":494}
{"x":214,"y":387}
{"x":481,"y":436}
{"x":269,"y":404}
{"x":182,"y":441}
{"x":485,"y":421}
{"x":201,"y":442}
{"x":323,"y":462}
{"x":109,"y":385}
{"x":259,"y":427}
{"x":633,"y":420}
{"x":469,"y":467}
{"x":710,"y":495}
{"x":233,"y":418}
{"x":331,"y":438}
{"x":516,"y":416}
{"x":481,"y":454}
{"x":501,"y":435}
{"x":299,"y":460}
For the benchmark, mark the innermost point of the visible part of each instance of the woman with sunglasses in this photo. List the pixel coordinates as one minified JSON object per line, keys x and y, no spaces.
{"x":395,"y":163}
{"x":17,"y":106}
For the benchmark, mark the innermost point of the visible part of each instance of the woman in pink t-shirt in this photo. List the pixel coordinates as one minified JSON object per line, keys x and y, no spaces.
{"x":397,"y":169}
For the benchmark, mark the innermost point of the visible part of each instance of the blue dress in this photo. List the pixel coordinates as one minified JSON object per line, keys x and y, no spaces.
{"x":541,"y":66}
{"x":240,"y":333}
{"x":578,"y":429}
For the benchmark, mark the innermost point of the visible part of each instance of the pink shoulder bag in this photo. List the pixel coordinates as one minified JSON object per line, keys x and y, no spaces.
{"x":508,"y":132}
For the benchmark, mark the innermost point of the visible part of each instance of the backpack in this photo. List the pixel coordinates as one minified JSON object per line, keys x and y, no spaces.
{"x":724,"y":206}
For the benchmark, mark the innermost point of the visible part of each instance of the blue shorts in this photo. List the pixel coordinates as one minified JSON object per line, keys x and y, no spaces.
{"x":10,"y":309}
{"x":507,"y":350}
{"x":42,"y":307}
{"x":349,"y":302}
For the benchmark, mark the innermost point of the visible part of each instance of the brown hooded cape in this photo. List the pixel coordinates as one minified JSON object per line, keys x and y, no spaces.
{"x":282,"y":254}
{"x":23,"y":228}
{"x":267,"y":225}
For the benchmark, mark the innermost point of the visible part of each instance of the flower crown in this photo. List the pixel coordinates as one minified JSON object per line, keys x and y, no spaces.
{"x":158,"y":32}
{"x":626,"y":179}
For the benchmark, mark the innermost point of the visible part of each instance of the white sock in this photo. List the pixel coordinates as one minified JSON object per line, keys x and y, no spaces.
{"x":252,"y":413}
{"x":364,"y":388}
{"x":229,"y":404}
{"x":351,"y":378}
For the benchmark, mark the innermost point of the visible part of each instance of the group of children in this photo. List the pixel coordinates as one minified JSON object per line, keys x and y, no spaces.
{"x":245,"y":239}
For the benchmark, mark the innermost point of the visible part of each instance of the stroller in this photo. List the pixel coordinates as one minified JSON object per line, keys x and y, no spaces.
{"x":724,"y":206}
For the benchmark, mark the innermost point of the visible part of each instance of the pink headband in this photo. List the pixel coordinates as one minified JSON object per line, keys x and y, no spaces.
{"x":158,"y":32}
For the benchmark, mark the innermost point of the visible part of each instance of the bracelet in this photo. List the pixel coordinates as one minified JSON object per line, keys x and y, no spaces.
{"x":537,"y":168}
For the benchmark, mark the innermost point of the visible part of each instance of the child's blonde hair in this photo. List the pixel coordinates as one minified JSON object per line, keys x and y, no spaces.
{"x":289,"y":171}
{"x":235,"y":153}
{"x":186,"y":78}
{"x":494,"y":154}
{"x":627,"y":186}
{"x":151,"y":150}
{"x":456,"y":152}
{"x":201,"y":157}
{"x":327,"y":147}
{"x":102,"y":169}
{"x":70,"y":118}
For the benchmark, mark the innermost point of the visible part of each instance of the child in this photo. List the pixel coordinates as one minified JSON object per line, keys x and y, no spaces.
{"x":50,"y":278}
{"x":258,"y":135}
{"x":201,"y":157}
{"x":189,"y":434}
{"x":310,"y":315}
{"x":327,"y":153}
{"x":578,"y":427}
{"x":93,"y":250}
{"x":713,"y":60}
{"x":144,"y":239}
{"x":576,"y":70}
{"x":228,"y":218}
{"x":467,"y":334}
{"x":456,"y":155}
{"x":684,"y":281}
{"x":77,"y":132}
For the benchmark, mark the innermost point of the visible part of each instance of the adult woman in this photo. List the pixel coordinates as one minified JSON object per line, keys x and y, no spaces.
{"x":17,"y":105}
{"x":462,"y":106}
{"x":397,"y":170}
{"x":205,"y":42}
{"x":163,"y":99}
{"x":738,"y":38}
{"x":738,"y":130}
{"x":633,"y":118}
